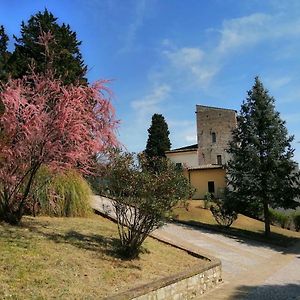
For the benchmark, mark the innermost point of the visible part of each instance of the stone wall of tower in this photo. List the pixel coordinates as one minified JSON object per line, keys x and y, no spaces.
{"x":212,"y":122}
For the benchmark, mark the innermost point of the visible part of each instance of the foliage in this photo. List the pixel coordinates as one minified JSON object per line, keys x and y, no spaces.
{"x":142,"y":199}
{"x":4,"y":57}
{"x":261,"y":171}
{"x":48,"y":123}
{"x":207,"y":200}
{"x":296,"y":220}
{"x":64,"y":194}
{"x":280,"y":218}
{"x":222,"y":213}
{"x":67,"y":59}
{"x":158,"y":140}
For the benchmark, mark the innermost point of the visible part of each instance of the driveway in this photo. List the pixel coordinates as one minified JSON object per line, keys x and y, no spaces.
{"x":251,"y":270}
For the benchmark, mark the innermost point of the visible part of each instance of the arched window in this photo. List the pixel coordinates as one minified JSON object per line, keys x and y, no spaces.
{"x":213,"y":137}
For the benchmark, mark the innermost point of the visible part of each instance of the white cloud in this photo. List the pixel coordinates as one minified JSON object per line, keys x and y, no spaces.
{"x":130,"y":35}
{"x":200,"y":66}
{"x":191,"y":63}
{"x":243,"y":31}
{"x":185,"y":56}
{"x":275,"y":83}
{"x":149,"y":104}
{"x":191,"y":138}
{"x":183,"y":132}
{"x":249,"y":30}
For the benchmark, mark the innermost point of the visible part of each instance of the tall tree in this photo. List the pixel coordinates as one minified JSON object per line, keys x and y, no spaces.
{"x":158,"y":140}
{"x":67,"y":59}
{"x":261,"y":171}
{"x":4,"y":55}
{"x":48,"y":123}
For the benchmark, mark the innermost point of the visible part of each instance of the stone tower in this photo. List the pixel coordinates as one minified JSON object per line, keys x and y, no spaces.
{"x":214,"y":127}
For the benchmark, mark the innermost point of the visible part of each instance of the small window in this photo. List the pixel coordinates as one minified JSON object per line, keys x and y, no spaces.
{"x":211,"y":187}
{"x":219,"y":159}
{"x":213,"y":137}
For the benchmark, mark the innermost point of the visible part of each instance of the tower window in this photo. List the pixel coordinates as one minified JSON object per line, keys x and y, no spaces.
{"x":213,"y":137}
{"x":219,"y":159}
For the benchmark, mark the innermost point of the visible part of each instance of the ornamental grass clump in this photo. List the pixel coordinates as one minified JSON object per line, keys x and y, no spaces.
{"x":279,"y":218}
{"x":66,"y":194}
{"x":296,"y":220}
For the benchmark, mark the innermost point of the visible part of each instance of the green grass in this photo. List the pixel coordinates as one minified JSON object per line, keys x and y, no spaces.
{"x":242,"y":227}
{"x":75,"y":258}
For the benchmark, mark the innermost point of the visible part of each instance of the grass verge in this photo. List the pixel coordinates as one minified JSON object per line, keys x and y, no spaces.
{"x":75,"y":258}
{"x":243,"y":227}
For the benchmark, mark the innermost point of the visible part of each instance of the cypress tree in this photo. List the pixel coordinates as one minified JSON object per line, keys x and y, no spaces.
{"x":261,"y":172}
{"x":158,"y":138}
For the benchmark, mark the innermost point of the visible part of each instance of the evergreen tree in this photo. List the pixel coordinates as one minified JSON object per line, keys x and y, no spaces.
{"x":67,"y":59}
{"x":4,"y":55}
{"x":158,"y":139}
{"x":261,"y":170}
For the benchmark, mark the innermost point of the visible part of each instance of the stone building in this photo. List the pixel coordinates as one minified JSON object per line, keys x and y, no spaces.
{"x":203,"y":163}
{"x":214,"y":132}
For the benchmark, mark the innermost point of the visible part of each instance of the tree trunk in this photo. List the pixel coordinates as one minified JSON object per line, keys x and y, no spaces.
{"x":267,"y":218}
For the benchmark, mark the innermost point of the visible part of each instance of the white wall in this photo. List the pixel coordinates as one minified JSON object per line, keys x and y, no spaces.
{"x":186,"y":158}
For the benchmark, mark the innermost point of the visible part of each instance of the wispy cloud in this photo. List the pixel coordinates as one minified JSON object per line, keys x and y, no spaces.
{"x":183,"y":132}
{"x":130,"y":34}
{"x":150,"y":104}
{"x":191,"y":63}
{"x":200,"y":65}
{"x":275,"y":83}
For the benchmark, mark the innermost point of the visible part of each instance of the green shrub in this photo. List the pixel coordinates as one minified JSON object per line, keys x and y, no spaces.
{"x":144,"y":192}
{"x":279,"y":218}
{"x":207,"y":200}
{"x":296,"y":220}
{"x":222,"y":213}
{"x":62,"y":195}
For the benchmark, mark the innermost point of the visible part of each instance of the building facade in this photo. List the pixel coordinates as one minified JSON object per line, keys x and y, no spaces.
{"x":214,"y":132}
{"x":203,"y":163}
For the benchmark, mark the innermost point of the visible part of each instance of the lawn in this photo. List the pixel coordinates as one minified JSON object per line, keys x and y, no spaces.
{"x":242,"y":227}
{"x":75,"y":258}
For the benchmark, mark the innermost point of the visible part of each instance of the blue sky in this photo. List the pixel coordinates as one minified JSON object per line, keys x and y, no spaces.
{"x":166,"y":56}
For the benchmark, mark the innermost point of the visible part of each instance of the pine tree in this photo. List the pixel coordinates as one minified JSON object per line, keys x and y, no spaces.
{"x":261,"y":170}
{"x":158,"y":140}
{"x":67,"y":59}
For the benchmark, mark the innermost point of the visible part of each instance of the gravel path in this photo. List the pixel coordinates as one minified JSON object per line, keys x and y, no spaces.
{"x":251,"y":270}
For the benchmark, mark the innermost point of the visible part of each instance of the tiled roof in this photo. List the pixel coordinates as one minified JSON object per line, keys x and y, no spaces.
{"x":205,"y":106}
{"x":203,"y":167}
{"x":186,"y":148}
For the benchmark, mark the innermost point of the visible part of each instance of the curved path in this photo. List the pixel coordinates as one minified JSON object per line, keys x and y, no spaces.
{"x":251,"y":270}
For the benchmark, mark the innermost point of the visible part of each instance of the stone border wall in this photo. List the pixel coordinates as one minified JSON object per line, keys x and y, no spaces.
{"x":185,"y":285}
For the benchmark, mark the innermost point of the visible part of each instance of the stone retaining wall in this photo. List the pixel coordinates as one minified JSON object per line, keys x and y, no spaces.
{"x":187,"y":288}
{"x":186,"y":285}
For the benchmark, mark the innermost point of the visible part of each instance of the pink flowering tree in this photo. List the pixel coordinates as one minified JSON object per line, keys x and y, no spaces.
{"x":47,"y":123}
